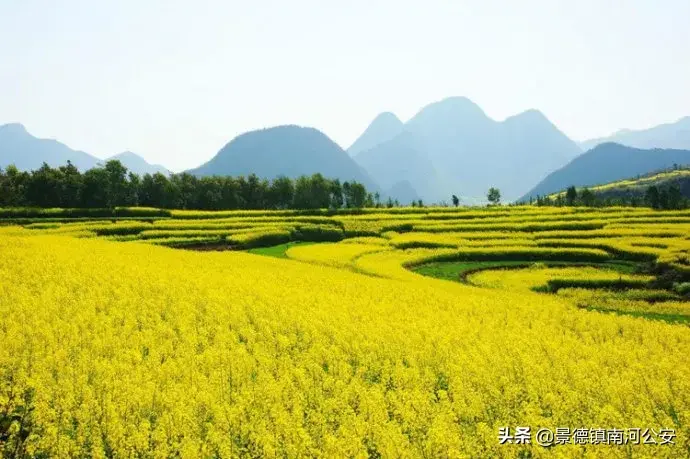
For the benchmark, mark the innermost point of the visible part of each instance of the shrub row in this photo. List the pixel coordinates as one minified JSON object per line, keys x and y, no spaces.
{"x":36,"y":212}
{"x":554,"y":285}
{"x":516,"y":254}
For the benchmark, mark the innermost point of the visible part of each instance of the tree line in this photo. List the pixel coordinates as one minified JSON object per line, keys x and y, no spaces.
{"x":113,"y":186}
{"x":662,"y":197}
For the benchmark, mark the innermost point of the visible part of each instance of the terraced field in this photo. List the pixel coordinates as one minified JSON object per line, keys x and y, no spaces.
{"x":413,"y":332}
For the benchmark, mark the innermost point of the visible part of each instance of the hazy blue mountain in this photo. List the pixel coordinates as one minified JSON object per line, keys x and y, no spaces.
{"x":470,"y":152}
{"x":402,"y":159}
{"x":137,"y":164}
{"x":285,"y":150}
{"x":403,"y":191}
{"x":606,"y":163}
{"x":27,"y":152}
{"x":384,"y":127}
{"x":671,"y":135}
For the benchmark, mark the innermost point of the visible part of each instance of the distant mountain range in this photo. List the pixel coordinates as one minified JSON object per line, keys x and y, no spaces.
{"x":27,"y":152}
{"x":449,"y":147}
{"x":453,"y":147}
{"x":670,"y":135}
{"x":606,"y":163}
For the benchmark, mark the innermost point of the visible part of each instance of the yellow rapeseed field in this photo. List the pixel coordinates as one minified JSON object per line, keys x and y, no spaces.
{"x":114,"y":346}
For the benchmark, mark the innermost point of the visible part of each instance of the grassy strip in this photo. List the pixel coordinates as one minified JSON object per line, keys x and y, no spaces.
{"x":554,"y":285}
{"x":278,"y":251}
{"x":458,"y":271}
{"x":670,"y":318}
{"x":524,"y":254}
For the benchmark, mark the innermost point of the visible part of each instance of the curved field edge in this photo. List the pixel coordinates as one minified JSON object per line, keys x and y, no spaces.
{"x":308,"y":360}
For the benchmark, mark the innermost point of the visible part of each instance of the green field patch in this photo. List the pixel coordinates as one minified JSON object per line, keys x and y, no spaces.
{"x":278,"y":251}
{"x":460,"y":270}
{"x":670,"y":318}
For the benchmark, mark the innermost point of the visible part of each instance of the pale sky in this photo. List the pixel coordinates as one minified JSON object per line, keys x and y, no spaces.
{"x":175,"y":80}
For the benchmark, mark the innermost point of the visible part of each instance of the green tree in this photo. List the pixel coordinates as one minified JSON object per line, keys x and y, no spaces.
{"x":71,"y":185}
{"x":282,"y":193}
{"x":652,"y":197}
{"x":44,"y":187}
{"x":337,"y":198}
{"x":570,"y":196}
{"x":320,"y":192}
{"x":663,"y":198}
{"x":675,"y":197}
{"x":302,"y":199}
{"x":356,"y":195}
{"x":153,"y":190}
{"x":587,"y":197}
{"x":94,"y":191}
{"x":369,"y":201}
{"x":209,"y":195}
{"x":456,"y":201}
{"x":13,"y":185}
{"x":494,"y":196}
{"x":116,"y":185}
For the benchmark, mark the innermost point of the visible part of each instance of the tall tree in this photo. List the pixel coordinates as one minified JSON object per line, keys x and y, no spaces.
{"x":494,"y":196}
{"x":587,"y":197}
{"x":675,"y":197}
{"x":652,"y":196}
{"x":570,"y":196}
{"x":116,"y":188}
{"x":337,"y":199}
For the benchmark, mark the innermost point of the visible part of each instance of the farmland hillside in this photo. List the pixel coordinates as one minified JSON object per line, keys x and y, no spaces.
{"x":636,"y":187}
{"x":607,"y":163}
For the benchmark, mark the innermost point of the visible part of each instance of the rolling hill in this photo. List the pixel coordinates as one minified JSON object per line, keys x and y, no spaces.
{"x":469,"y":152}
{"x":26,"y":152}
{"x":137,"y":164}
{"x":670,"y":135}
{"x":290,"y":151}
{"x":607,"y":163}
{"x":627,"y":188}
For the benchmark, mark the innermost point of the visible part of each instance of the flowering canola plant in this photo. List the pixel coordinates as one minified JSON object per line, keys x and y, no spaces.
{"x":120,"y":349}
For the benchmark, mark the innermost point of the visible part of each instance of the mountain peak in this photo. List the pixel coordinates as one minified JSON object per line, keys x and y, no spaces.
{"x":530,"y":117}
{"x":137,"y":164}
{"x":387,"y":117}
{"x":13,"y":128}
{"x":456,"y":103}
{"x":533,"y":113}
{"x":382,"y":129}
{"x":125,"y":155}
{"x":450,"y":110}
